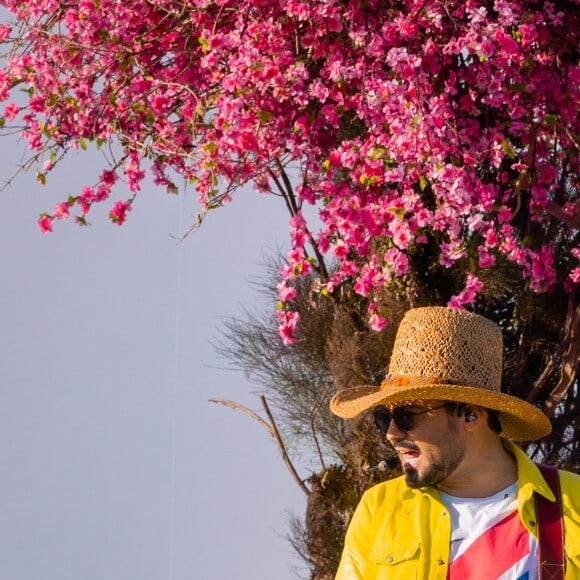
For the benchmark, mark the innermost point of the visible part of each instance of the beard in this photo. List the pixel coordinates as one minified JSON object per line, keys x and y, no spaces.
{"x":439,"y":468}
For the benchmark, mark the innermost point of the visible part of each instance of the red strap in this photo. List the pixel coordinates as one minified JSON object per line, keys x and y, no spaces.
{"x":550,"y":532}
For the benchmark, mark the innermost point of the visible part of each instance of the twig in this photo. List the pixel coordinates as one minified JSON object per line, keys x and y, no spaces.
{"x":234,"y":405}
{"x":272,"y":430}
{"x":282,"y":448}
{"x":313,"y":414}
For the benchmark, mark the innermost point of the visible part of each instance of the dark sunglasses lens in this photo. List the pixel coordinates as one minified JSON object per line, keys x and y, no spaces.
{"x":382,"y":418}
{"x":404,"y":420}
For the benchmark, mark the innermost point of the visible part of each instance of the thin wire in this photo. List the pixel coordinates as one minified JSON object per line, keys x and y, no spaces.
{"x":174,"y":400}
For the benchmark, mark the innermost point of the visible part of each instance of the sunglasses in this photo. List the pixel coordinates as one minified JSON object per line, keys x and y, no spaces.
{"x":403,"y":417}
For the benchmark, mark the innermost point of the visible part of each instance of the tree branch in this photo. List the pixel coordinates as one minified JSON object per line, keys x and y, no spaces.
{"x":571,"y":357}
{"x":282,"y":448}
{"x":272,"y":430}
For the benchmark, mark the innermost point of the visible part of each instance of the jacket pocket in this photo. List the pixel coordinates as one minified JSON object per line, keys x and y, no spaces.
{"x":395,"y":561}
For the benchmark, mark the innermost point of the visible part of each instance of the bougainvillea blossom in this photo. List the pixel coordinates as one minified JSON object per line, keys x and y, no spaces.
{"x":406,"y":123}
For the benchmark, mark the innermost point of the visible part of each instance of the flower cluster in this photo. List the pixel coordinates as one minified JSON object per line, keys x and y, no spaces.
{"x":411,"y":122}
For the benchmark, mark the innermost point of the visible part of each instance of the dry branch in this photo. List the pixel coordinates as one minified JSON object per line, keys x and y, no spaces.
{"x":272,"y":429}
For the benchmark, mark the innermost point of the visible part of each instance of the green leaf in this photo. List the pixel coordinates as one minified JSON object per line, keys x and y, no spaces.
{"x":367,"y":181}
{"x":423,"y":183}
{"x":507,"y":148}
{"x":264,"y":116}
{"x":209,"y":147}
{"x":376,"y":152}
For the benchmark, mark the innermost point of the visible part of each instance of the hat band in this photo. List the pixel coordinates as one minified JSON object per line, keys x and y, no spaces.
{"x":414,"y":380}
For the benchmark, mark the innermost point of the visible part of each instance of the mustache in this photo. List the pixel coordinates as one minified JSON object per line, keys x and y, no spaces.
{"x":405,"y":445}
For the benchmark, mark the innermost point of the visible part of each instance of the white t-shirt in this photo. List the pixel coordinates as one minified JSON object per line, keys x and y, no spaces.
{"x":488,"y":540}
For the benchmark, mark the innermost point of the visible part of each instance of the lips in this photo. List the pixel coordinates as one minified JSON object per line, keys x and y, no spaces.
{"x":409,"y":457}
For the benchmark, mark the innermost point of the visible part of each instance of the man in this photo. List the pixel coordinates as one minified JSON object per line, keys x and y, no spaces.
{"x":466,"y":505}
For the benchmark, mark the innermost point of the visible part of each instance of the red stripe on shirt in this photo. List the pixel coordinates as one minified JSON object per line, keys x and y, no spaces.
{"x":494,"y":552}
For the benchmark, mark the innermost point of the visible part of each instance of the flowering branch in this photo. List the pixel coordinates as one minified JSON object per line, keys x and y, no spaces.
{"x":404,"y":124}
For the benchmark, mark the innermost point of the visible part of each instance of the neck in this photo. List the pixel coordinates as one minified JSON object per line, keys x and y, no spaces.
{"x":483,"y":472}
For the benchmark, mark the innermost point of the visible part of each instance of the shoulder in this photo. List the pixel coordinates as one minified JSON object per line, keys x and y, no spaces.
{"x":570,"y":487}
{"x":569,"y":478}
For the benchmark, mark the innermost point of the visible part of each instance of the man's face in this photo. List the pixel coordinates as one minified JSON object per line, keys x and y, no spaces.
{"x":433,"y":449}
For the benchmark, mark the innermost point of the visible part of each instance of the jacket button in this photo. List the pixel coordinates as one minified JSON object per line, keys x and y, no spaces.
{"x":389,"y":559}
{"x":440,"y":562}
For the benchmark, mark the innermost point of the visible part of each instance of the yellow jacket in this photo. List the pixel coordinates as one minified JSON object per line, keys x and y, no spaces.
{"x":401,"y":533}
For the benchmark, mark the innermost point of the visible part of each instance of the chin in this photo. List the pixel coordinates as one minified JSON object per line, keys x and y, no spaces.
{"x":429,"y":478}
{"x":412,"y":478}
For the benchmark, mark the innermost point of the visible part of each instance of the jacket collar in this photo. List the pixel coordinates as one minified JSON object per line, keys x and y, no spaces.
{"x":530,"y":479}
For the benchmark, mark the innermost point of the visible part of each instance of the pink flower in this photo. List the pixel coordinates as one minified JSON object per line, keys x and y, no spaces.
{"x":547,"y":174}
{"x":491,"y":238}
{"x":397,"y":260}
{"x":468,"y":295}
{"x":455,"y":302}
{"x":377,"y":322}
{"x":287,"y":327}
{"x":286,"y":293}
{"x":400,"y":231}
{"x":61,"y":211}
{"x":10,"y":111}
{"x":118,"y":213}
{"x":334,"y":24}
{"x":45,"y":224}
{"x":340,"y":249}
{"x":504,"y":214}
{"x":542,"y":272}
{"x":4,"y":31}
{"x":108,"y":177}
{"x":485,"y":259}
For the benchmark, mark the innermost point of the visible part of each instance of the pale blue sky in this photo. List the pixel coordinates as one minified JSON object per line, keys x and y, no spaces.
{"x":114,"y":465}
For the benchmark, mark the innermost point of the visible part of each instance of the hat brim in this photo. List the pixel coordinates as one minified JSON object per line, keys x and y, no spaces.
{"x":520,"y":421}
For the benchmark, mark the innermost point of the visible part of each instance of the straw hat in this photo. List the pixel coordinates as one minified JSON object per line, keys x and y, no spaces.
{"x":451,"y":355}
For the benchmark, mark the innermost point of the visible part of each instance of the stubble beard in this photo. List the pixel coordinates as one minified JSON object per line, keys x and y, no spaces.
{"x":452,"y":454}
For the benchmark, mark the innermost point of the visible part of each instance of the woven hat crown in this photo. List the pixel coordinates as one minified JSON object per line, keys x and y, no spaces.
{"x":447,"y":346}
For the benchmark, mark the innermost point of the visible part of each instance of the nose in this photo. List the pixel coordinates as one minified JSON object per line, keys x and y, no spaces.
{"x":394,"y":433}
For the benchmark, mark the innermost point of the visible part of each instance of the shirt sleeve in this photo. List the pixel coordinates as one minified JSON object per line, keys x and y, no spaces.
{"x":356,"y":545}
